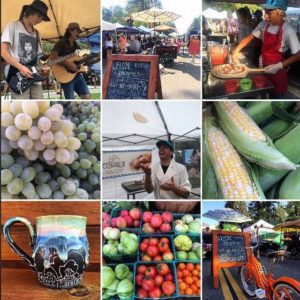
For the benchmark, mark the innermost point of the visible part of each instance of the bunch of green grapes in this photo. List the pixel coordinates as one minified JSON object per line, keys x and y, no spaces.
{"x":42,"y":155}
{"x":86,"y":116}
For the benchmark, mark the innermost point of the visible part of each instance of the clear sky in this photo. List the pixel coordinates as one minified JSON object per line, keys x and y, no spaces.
{"x":187,"y":9}
{"x":211,"y":205}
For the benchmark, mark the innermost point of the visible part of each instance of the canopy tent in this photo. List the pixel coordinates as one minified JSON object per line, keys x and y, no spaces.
{"x":164,"y":28}
{"x":107,"y":26}
{"x":290,"y":225}
{"x":292,"y":3}
{"x":226,"y":215}
{"x":155,"y":15}
{"x":145,"y":29}
{"x":266,"y":227}
{"x":210,"y":13}
{"x":61,"y":13}
{"x":143,"y":123}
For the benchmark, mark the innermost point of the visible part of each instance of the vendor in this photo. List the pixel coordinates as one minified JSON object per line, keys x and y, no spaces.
{"x":277,"y":37}
{"x":168,"y":179}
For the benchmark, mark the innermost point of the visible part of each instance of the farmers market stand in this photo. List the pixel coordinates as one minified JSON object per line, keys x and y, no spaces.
{"x":18,"y":281}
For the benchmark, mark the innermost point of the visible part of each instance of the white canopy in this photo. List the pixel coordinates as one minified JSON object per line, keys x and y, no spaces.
{"x":140,"y":122}
{"x":267,"y":227}
{"x":107,"y":26}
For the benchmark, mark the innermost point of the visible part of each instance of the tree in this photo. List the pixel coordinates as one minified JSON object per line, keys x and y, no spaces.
{"x":220,"y":6}
{"x":265,"y":210}
{"x":133,"y":6}
{"x":195,"y":25}
{"x":293,"y":210}
{"x":106,"y":14}
{"x":239,"y":206}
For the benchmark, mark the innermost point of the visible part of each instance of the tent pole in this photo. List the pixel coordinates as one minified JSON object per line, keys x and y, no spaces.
{"x":57,"y":28}
{"x":163,"y":120}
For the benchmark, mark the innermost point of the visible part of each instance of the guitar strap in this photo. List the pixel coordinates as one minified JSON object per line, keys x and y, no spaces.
{"x":38,"y":41}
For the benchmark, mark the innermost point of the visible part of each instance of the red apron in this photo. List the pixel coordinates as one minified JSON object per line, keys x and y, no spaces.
{"x":271,"y":55}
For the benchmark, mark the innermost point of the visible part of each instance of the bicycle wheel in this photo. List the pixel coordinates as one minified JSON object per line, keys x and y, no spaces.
{"x":248,"y":281}
{"x":286,"y":292}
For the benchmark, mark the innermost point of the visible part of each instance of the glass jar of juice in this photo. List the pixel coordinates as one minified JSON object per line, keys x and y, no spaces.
{"x":218,"y":55}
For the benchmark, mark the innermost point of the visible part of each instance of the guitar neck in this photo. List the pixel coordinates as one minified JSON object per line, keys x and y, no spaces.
{"x":56,"y":61}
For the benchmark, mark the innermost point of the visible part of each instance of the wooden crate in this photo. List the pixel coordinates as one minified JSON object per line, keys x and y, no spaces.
{"x":15,"y":270}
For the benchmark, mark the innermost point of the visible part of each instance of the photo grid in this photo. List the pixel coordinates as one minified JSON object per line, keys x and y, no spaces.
{"x":150,"y":149}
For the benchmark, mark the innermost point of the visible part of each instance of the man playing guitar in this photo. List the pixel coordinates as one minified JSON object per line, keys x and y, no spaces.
{"x":65,"y":46}
{"x":21,"y":43}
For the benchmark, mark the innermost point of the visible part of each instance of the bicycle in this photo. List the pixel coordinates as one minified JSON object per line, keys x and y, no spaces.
{"x":256,"y":282}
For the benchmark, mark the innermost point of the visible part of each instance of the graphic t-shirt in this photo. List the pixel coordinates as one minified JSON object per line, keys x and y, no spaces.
{"x":23,"y":45}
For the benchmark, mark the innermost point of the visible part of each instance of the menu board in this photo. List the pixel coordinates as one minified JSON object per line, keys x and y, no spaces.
{"x":132,"y":77}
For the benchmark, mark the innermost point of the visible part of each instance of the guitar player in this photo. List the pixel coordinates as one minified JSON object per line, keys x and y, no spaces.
{"x":20,"y":43}
{"x":65,"y":46}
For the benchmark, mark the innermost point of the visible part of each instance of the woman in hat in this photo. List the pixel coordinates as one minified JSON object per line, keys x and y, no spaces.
{"x":20,"y":43}
{"x":65,"y":46}
{"x":277,"y":37}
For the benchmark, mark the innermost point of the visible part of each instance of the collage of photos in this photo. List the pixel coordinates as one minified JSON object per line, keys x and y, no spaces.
{"x":186,"y":185}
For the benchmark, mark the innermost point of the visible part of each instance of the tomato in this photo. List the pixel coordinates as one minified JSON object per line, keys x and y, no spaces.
{"x":152,"y":251}
{"x":146,"y":241}
{"x":169,"y":277}
{"x":146,"y":258}
{"x":155,"y":293}
{"x":142,"y":293}
{"x":153,"y":241}
{"x":151,"y":271}
{"x":168,"y":288}
{"x":156,"y":221}
{"x":141,"y":269}
{"x":168,"y":256}
{"x":162,"y":269}
{"x":158,"y":280}
{"x":148,"y":284}
{"x":139,"y":278}
{"x":163,"y":247}
{"x":143,"y":246}
{"x":158,"y":258}
{"x":164,"y":240}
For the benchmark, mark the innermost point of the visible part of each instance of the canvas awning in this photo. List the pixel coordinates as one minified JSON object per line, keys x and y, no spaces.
{"x":61,"y":13}
{"x":289,"y":225}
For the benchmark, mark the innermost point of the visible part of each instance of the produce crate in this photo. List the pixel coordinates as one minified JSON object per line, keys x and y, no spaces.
{"x":131,"y":268}
{"x":179,"y":216}
{"x":121,"y":257}
{"x":187,"y":296}
{"x":116,"y":213}
{"x":151,"y":263}
{"x":157,"y":212}
{"x":194,"y":239}
{"x":160,"y":235}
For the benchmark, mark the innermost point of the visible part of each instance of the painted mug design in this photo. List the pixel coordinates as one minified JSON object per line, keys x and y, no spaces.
{"x":60,"y":249}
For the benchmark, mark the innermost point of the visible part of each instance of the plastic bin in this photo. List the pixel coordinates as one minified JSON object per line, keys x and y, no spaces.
{"x":150,"y":263}
{"x":179,"y":216}
{"x":116,"y":213}
{"x":194,"y":239}
{"x":168,"y":236}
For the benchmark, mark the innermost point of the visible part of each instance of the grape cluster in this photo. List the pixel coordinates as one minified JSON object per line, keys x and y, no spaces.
{"x":43,"y":156}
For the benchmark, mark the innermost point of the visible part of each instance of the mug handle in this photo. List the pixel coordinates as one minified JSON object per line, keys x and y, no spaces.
{"x":13,"y":245}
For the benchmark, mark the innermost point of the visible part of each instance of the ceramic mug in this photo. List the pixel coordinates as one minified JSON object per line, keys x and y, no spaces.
{"x":60,"y":249}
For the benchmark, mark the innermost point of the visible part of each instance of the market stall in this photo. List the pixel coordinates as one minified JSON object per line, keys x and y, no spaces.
{"x":135,"y":133}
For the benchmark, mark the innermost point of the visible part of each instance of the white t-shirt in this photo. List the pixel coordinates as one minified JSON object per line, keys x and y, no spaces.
{"x":289,"y":36}
{"x":23,"y":46}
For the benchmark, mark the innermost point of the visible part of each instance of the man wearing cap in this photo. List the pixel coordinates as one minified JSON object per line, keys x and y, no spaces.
{"x":277,"y":37}
{"x":167,"y":178}
{"x":21,"y":43}
{"x":65,"y":46}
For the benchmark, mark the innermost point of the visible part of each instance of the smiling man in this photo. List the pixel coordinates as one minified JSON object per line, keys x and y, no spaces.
{"x":167,"y":178}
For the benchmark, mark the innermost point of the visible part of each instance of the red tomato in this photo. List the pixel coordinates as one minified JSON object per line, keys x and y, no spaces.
{"x":146,"y":258}
{"x":169,"y":277}
{"x":156,"y":221}
{"x":139,"y":278}
{"x":163,"y":247}
{"x":151,"y":271}
{"x":146,"y":241}
{"x":157,"y":258}
{"x":158,"y":280}
{"x":152,"y":251}
{"x":142,"y":293}
{"x":164,"y":240}
{"x":168,"y":288}
{"x":148,"y":284}
{"x":143,"y":246}
{"x":155,"y":293}
{"x":153,"y":241}
{"x":162,"y":269}
{"x":141,"y":269}
{"x":167,"y":217}
{"x":168,"y":256}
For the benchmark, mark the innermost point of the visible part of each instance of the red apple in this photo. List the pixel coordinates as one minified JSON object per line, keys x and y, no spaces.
{"x":129,"y":221}
{"x":113,"y":222}
{"x":156,"y":221}
{"x":167,"y":217}
{"x":165,"y":227}
{"x":147,"y":228}
{"x":124,"y":213}
{"x":121,"y":222}
{"x":105,"y":217}
{"x":147,"y":215}
{"x":136,"y":223}
{"x":135,"y":213}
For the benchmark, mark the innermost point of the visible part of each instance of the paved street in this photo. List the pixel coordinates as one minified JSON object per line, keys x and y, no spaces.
{"x":230,"y":283}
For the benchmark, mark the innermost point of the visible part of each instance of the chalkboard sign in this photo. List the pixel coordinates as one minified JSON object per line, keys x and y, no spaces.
{"x":132,"y":77}
{"x":230,"y":249}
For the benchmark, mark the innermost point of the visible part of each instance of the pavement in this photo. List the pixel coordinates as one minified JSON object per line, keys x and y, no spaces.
{"x":230,"y":283}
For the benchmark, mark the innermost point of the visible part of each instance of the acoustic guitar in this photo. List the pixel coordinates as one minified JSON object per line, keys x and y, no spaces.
{"x":64,"y":75}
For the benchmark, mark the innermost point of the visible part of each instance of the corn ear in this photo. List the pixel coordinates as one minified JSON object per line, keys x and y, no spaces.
{"x":290,"y":188}
{"x":234,"y":179}
{"x":249,"y":139}
{"x":278,"y":128}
